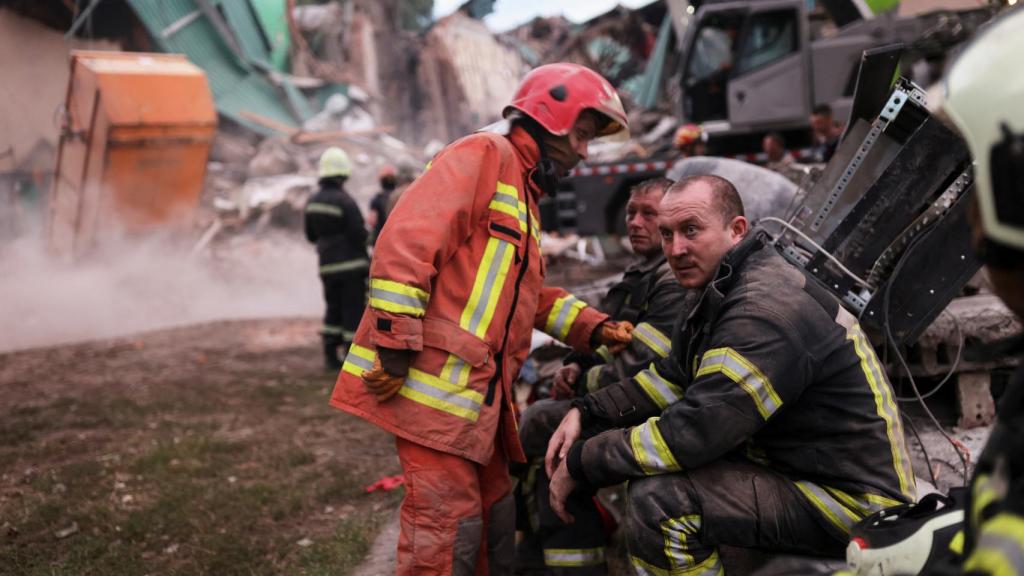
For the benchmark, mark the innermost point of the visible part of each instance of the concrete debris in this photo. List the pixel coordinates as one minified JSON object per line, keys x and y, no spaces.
{"x":304,"y":543}
{"x":67,"y":532}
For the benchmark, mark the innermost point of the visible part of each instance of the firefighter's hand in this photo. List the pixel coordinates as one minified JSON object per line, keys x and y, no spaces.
{"x":559,"y":489}
{"x":565,"y":381}
{"x":395,"y":362}
{"x":380,"y":383}
{"x":615,"y":335}
{"x":558,"y":447}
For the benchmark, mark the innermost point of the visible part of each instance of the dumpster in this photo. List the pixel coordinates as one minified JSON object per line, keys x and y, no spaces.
{"x":134,"y":143}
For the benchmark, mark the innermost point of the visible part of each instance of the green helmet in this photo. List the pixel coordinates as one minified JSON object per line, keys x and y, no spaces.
{"x":334,"y":162}
{"x":983,"y":96}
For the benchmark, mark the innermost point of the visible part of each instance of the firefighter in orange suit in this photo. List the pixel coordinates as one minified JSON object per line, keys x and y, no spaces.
{"x":456,"y":288}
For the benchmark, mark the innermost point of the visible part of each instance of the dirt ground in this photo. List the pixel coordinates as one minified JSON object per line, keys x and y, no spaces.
{"x":202,"y":450}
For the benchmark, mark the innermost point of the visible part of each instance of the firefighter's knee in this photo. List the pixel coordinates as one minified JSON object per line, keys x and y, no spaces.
{"x":653,"y":500}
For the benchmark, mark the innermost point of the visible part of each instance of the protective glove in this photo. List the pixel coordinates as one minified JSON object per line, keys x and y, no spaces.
{"x":381,"y":384}
{"x":615,"y":335}
{"x":388,"y":373}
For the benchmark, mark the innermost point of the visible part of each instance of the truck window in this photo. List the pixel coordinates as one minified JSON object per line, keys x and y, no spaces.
{"x":769,"y":36}
{"x":713,"y":47}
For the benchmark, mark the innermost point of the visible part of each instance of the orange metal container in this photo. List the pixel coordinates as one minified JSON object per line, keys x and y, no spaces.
{"x":133,"y":148}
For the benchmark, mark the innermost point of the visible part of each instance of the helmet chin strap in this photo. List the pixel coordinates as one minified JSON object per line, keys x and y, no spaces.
{"x":545,"y":172}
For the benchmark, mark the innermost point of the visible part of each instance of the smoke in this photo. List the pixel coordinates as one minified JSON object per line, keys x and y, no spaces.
{"x":136,"y":286}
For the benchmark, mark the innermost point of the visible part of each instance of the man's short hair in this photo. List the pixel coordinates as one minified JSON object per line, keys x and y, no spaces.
{"x":822,"y":110}
{"x":727,"y":200}
{"x":659,"y":185}
{"x":778,"y":137}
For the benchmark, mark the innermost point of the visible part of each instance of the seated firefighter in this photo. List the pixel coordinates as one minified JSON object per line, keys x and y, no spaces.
{"x":649,"y":297}
{"x":770,"y":425}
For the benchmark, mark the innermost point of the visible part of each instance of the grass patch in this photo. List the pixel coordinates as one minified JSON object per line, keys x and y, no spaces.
{"x":342,"y":552}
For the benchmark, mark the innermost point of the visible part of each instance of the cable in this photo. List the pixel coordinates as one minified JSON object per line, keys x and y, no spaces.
{"x":891,"y":342}
{"x":927,"y":460}
{"x":952,"y":369}
{"x":818,"y":247}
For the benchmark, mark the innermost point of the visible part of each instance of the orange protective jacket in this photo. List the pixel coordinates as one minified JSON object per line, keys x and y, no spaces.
{"x":457,"y":275}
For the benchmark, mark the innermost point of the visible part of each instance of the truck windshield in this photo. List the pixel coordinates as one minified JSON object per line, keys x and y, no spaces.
{"x":769,"y":36}
{"x":712,"y":52}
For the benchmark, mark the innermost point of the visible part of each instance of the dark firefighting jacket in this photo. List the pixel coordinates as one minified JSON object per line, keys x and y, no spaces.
{"x":650,"y":298}
{"x":769,"y":364}
{"x":334,"y":223}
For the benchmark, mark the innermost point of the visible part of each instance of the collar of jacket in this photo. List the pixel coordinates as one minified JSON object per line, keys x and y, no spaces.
{"x":644,"y":265}
{"x":527,"y":150}
{"x":714,"y":293}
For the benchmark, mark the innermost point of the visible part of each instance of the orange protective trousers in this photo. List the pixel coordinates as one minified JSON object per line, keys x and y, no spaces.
{"x":458,"y":517}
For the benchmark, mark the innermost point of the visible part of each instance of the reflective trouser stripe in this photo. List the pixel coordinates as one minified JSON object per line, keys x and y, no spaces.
{"x":885,"y":407}
{"x":653,"y":339}
{"x":661,"y":391}
{"x":359,"y":360}
{"x":741,"y":371}
{"x":1000,"y":548}
{"x":357,"y":264}
{"x":398,"y":298}
{"x":676,"y":531}
{"x":326,"y":209}
{"x":562,"y":316}
{"x":834,"y":511}
{"x":650,"y":450}
{"x":436,"y":393}
{"x":711,"y":566}
{"x":573,"y":557}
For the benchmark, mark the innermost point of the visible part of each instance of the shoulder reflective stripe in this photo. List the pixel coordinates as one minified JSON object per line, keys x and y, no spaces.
{"x":604,"y":353}
{"x":594,"y":378}
{"x":711,"y":566}
{"x":658,"y":389}
{"x":741,"y":371}
{"x":983,"y":493}
{"x":956,"y":545}
{"x":568,"y":557}
{"x":562,"y":316}
{"x":434,"y":392}
{"x":1000,"y":548}
{"x":885,"y":407}
{"x":653,"y":338}
{"x":399,"y":298}
{"x":505,"y":189}
{"x":359,"y":360}
{"x":505,"y":205}
{"x":358,"y":264}
{"x":837,"y":514}
{"x":321,"y":208}
{"x":650,"y":450}
{"x":676,"y":531}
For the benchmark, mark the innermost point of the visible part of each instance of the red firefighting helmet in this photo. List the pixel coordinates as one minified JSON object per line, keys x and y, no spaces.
{"x":687,"y":134}
{"x":555,"y":94}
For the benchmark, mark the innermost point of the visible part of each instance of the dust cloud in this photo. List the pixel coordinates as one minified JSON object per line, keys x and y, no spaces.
{"x":146,"y":285}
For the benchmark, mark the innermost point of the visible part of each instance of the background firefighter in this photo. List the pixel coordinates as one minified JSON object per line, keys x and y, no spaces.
{"x":648,"y":297}
{"x":334,"y":223}
{"x":456,"y":288}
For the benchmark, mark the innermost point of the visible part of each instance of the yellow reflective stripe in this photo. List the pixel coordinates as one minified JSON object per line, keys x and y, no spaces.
{"x":650,"y":450}
{"x":956,"y":545}
{"x":983,"y":493}
{"x":436,"y":393}
{"x":357,"y":264}
{"x":562,"y":316}
{"x":711,"y":566}
{"x":321,"y":208}
{"x":594,"y":378}
{"x":396,"y":297}
{"x":505,"y":189}
{"x":359,"y":360}
{"x":837,"y":514}
{"x":862,"y":504}
{"x":741,"y":371}
{"x":661,"y":391}
{"x":653,"y":338}
{"x":604,"y":353}
{"x":487,"y":287}
{"x":1000,"y":548}
{"x":676,"y":531}
{"x":504,"y":208}
{"x":455,"y":370}
{"x":885,"y":406}
{"x":570,"y":557}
